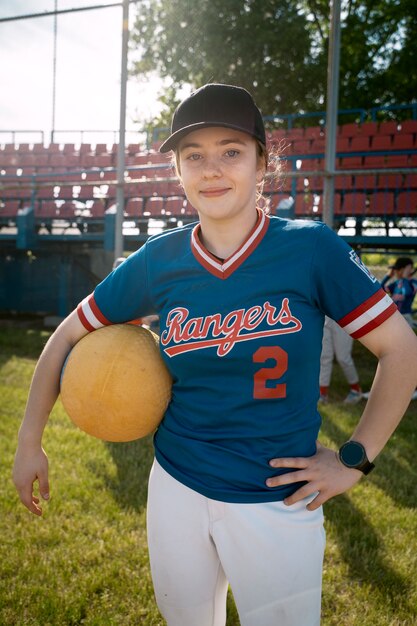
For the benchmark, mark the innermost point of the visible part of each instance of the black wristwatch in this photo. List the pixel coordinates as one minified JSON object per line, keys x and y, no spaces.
{"x":352,"y":454}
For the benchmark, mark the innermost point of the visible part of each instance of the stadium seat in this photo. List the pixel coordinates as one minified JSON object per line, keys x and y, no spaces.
{"x":350,"y":163}
{"x":350,"y":130}
{"x":301,"y":147}
{"x":410,"y":181}
{"x":408,"y":126}
{"x":46,"y":208}
{"x":397,"y":160}
{"x":312,"y":165}
{"x":381,"y":142}
{"x":355,"y":203}
{"x":154,"y":206}
{"x":304,"y":203}
{"x":174,"y":205}
{"x":381,"y":203}
{"x":98,"y":208}
{"x":387,"y":128}
{"x":67,"y":210}
{"x":403,"y":142}
{"x":369,"y":129}
{"x":134,"y":207}
{"x":342,"y":144}
{"x":390,"y":181}
{"x":318,"y":144}
{"x":295,"y":134}
{"x":313,"y":132}
{"x":343,"y":182}
{"x":359,"y":144}
{"x":9,"y":209}
{"x":407,"y":203}
{"x":374,"y":162}
{"x":365,"y":182}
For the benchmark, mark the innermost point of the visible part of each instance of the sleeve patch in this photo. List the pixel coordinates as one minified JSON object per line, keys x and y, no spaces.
{"x":358,"y":262}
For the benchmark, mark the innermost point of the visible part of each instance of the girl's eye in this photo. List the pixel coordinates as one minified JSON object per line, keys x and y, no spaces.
{"x":232,"y":153}
{"x":194,"y":157}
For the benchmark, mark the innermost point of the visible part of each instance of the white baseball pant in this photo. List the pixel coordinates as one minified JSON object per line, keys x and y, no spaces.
{"x":270,"y":553}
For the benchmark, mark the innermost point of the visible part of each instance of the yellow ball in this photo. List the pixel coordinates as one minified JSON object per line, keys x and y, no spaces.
{"x":115,"y":385}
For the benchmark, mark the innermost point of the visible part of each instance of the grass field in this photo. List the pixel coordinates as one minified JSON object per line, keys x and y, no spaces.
{"x":85,"y":561}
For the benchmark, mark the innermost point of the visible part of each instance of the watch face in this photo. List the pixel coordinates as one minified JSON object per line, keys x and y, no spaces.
{"x":352,"y":454}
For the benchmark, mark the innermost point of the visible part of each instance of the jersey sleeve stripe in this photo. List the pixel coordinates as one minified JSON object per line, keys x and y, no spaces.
{"x":375,"y":323}
{"x":90,"y":315}
{"x":368,"y":315}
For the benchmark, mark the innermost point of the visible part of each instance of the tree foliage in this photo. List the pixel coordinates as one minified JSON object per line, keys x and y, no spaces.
{"x":278,"y":49}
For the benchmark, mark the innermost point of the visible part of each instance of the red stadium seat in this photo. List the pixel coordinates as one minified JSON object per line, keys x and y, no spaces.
{"x":174,"y":205}
{"x":98,"y":208}
{"x":351,"y":163}
{"x":381,"y":142}
{"x":46,"y":208}
{"x":408,"y":126}
{"x":368,"y":129}
{"x":390,"y":181}
{"x":407,"y":203}
{"x":350,"y":130}
{"x":301,"y":147}
{"x":69,"y":148}
{"x":359,"y":144}
{"x":154,"y":206}
{"x":312,"y":165}
{"x":343,"y":182}
{"x":134,"y":207}
{"x":67,"y":210}
{"x":403,"y":142}
{"x":9,"y":209}
{"x":387,"y":128}
{"x":410,"y":181}
{"x":355,"y":203}
{"x":365,"y":182}
{"x":381,"y":203}
{"x":342,"y":144}
{"x":318,"y":144}
{"x":374,"y":162}
{"x":304,"y":203}
{"x":313,"y":132}
{"x":397,"y":160}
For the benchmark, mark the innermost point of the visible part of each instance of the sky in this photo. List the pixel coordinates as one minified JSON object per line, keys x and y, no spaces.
{"x":88,"y":68}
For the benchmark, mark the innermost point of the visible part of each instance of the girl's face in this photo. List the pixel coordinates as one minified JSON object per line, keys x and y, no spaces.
{"x":407,"y":271}
{"x":220,"y":169}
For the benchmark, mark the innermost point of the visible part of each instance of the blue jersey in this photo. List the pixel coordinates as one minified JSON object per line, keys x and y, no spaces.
{"x":402,"y":291}
{"x":242,"y":339}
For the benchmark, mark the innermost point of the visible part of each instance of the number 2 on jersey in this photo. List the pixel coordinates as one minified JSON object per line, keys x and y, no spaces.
{"x":280,"y":358}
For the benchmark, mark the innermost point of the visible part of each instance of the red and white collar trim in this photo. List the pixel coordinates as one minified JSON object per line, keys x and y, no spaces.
{"x":225,"y":269}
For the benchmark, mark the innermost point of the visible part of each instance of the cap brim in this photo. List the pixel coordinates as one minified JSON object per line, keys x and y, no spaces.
{"x":173,"y":140}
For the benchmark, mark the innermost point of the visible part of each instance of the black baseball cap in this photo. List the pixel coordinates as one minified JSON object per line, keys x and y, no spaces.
{"x":216,"y":105}
{"x":401,"y":263}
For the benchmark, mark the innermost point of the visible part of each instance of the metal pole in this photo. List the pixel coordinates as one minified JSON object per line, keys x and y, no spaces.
{"x":331,"y":113}
{"x":118,"y":235}
{"x":54,"y":72}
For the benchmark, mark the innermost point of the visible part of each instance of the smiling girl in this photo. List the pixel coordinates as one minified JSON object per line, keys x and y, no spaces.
{"x":239,"y":479}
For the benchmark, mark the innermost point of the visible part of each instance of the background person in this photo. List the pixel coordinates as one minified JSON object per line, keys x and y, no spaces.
{"x":238,"y":482}
{"x":402,"y":287}
{"x":337,"y":343}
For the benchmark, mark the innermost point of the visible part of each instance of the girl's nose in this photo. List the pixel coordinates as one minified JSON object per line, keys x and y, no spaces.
{"x":211,"y":167}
